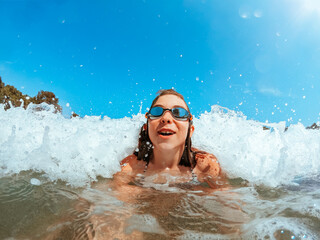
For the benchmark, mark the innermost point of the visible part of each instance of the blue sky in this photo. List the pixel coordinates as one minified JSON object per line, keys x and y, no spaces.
{"x":108,"y":57}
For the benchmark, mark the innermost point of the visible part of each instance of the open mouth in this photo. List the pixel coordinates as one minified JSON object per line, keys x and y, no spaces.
{"x":166,"y":133}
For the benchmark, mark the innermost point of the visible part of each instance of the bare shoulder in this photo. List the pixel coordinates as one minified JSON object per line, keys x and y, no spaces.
{"x":131,"y":164}
{"x":207,"y":164}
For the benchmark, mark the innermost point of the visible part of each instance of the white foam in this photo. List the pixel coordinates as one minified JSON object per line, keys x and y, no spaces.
{"x":74,"y":150}
{"x":143,"y":223}
{"x":284,"y":213}
{"x":35,"y":181}
{"x":244,"y":149}
{"x":191,"y":235}
{"x":78,"y":150}
{"x":265,"y":228}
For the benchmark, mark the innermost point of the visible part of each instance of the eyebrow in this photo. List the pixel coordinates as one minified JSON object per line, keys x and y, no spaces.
{"x":174,"y":106}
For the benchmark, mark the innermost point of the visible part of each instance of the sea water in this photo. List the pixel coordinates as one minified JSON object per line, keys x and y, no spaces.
{"x":56,"y":180}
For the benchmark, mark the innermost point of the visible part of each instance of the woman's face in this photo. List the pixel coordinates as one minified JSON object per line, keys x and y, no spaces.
{"x":165,"y":132}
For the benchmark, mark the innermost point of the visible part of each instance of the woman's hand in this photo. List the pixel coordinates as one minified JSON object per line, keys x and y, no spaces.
{"x":208,"y":170}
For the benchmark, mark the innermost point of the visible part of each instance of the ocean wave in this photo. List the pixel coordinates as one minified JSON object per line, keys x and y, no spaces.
{"x":78,"y":150}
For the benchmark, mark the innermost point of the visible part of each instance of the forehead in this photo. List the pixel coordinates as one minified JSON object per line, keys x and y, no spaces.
{"x":170,"y":101}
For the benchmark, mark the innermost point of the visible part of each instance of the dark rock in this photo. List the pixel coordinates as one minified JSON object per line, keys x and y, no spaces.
{"x":314,"y":126}
{"x":11,"y":94}
{"x":73,"y":115}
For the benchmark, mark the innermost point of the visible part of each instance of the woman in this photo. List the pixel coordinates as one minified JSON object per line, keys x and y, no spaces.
{"x":164,"y":156}
{"x":164,"y":148}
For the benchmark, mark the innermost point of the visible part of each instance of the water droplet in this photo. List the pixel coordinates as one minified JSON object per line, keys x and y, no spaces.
{"x":244,"y":12}
{"x":258,"y":13}
{"x":35,"y":181}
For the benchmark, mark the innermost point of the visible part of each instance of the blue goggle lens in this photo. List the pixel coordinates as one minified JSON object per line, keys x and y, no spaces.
{"x":178,"y":112}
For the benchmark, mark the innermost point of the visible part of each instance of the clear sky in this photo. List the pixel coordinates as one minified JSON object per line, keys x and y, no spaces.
{"x":107,"y":57}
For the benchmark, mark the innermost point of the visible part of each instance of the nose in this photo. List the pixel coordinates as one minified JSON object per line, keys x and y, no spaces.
{"x":166,"y":117}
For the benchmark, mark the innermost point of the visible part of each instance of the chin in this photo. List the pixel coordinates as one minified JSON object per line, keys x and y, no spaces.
{"x":166,"y":146}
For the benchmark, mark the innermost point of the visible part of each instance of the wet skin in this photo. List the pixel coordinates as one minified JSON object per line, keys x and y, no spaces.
{"x":168,"y":136}
{"x":168,"y":149}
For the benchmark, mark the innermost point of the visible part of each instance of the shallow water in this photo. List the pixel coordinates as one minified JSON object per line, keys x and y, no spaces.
{"x":56,"y":180}
{"x":57,"y":211}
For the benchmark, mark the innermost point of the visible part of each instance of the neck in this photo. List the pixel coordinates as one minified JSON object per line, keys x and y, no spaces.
{"x":163,"y":159}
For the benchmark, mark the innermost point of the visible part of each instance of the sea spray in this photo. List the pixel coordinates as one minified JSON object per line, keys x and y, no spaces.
{"x":77,"y":150}
{"x":74,"y":150}
{"x":272,"y":157}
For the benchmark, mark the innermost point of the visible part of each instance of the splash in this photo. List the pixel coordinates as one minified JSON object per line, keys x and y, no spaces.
{"x":78,"y":150}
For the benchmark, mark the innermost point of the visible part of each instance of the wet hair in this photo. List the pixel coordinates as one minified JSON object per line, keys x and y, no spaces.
{"x":145,"y":148}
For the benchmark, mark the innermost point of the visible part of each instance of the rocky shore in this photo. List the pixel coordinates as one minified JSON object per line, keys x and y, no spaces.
{"x":10,"y":96}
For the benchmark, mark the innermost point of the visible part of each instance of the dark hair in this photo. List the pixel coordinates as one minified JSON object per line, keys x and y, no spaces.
{"x":145,"y":147}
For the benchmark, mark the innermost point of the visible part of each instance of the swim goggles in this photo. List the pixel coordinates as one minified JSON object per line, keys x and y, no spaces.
{"x":178,"y":113}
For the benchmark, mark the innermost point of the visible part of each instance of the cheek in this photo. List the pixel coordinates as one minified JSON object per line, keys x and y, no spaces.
{"x":184,"y":131}
{"x":152,"y":130}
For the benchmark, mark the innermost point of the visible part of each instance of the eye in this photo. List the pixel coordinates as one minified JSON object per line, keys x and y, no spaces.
{"x":176,"y":112}
{"x":180,"y":112}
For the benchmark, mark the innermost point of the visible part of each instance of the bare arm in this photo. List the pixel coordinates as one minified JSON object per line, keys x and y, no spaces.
{"x":130,"y":167}
{"x":208,"y":170}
